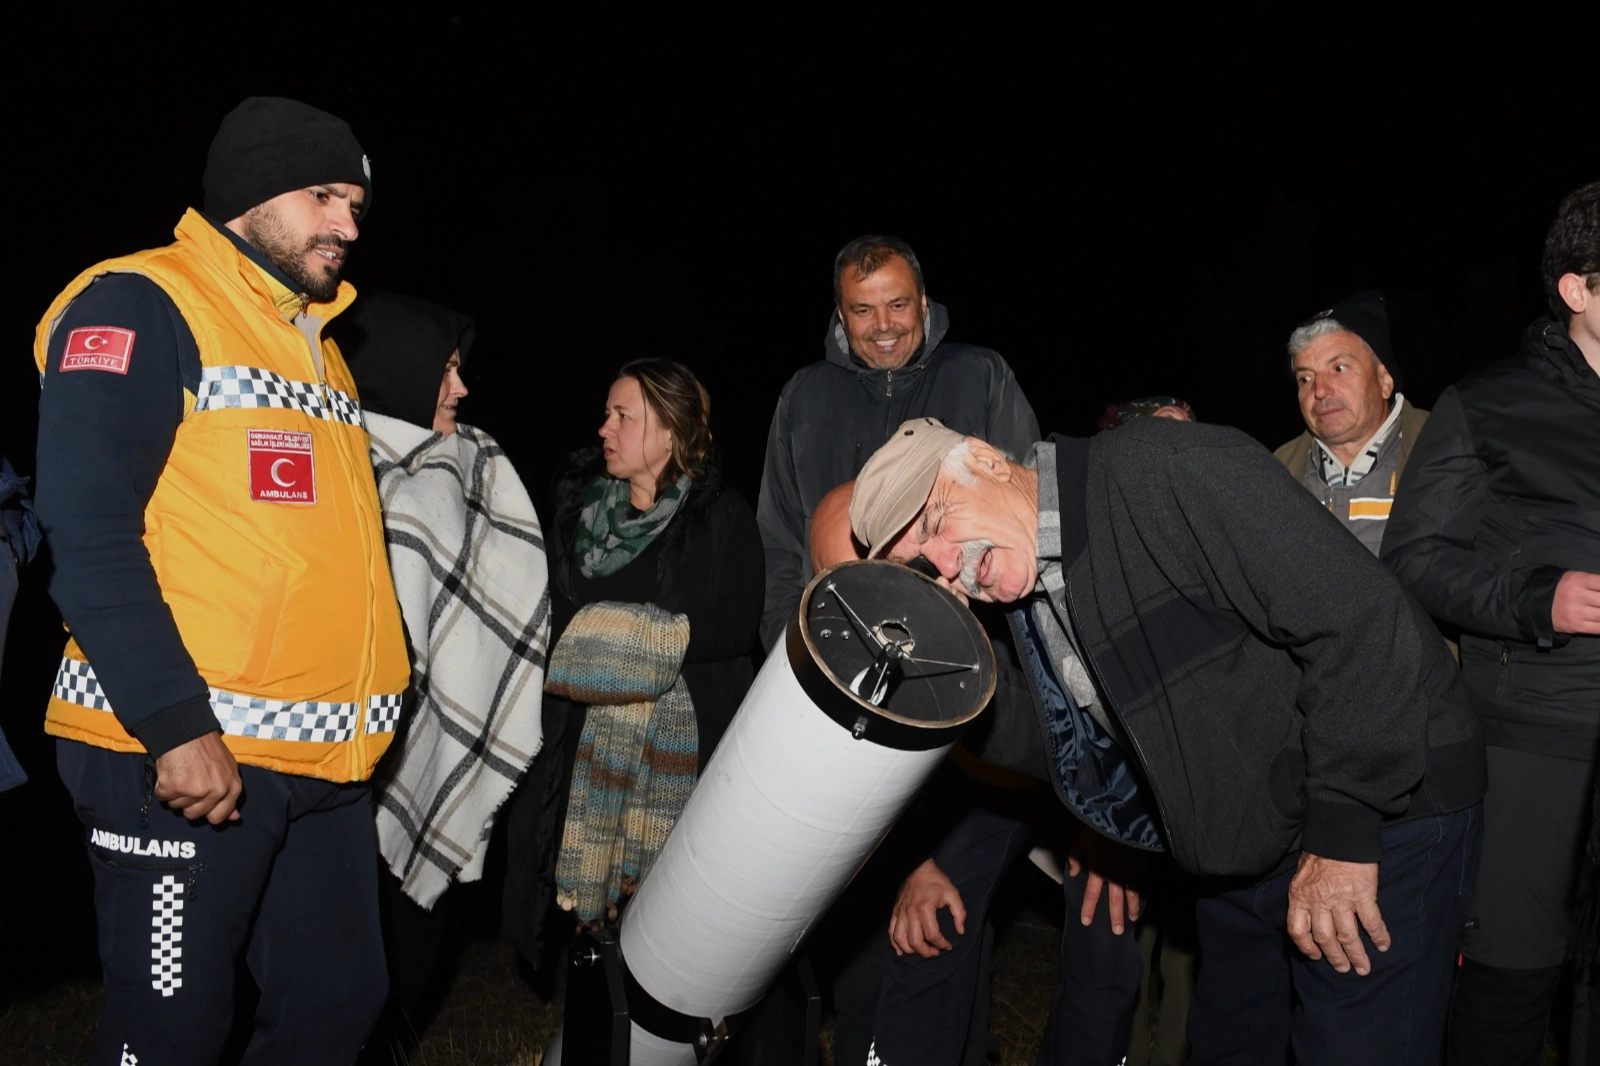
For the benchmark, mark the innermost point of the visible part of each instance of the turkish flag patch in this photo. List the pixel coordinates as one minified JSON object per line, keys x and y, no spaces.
{"x":98,"y":348}
{"x":281,"y":467}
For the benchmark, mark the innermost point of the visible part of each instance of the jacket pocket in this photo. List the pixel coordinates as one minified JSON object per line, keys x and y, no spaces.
{"x":146,"y":890}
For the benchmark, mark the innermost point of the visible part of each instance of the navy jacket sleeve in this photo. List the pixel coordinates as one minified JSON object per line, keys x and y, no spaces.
{"x":104,"y":438}
{"x":1429,"y":542}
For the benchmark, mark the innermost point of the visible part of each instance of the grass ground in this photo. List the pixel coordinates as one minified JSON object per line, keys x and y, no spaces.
{"x":492,"y":1016}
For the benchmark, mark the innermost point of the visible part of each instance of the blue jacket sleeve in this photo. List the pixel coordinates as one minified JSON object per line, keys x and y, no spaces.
{"x":104,"y":437}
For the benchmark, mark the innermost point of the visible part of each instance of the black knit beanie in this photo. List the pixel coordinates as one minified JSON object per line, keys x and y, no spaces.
{"x":1366,"y":314}
{"x":269,"y":145}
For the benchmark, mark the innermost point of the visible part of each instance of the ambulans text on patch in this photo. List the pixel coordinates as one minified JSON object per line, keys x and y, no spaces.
{"x":98,"y":348}
{"x":281,"y":467}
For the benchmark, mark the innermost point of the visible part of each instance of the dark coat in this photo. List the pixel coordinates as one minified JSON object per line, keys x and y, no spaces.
{"x":833,"y":414}
{"x":709,"y":567}
{"x":1278,"y":687}
{"x":1501,"y":498}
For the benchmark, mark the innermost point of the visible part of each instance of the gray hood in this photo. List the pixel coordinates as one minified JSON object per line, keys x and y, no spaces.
{"x":836,"y":343}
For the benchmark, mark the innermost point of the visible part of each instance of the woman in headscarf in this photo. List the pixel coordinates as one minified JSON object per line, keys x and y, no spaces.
{"x":467,"y":556}
{"x":657,"y":572}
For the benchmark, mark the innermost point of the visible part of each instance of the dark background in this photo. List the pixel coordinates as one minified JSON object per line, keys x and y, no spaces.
{"x":1119,"y":199}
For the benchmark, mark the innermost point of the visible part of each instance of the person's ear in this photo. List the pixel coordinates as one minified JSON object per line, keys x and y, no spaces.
{"x":1574,"y":290}
{"x":1385,"y":379}
{"x":986,"y":459}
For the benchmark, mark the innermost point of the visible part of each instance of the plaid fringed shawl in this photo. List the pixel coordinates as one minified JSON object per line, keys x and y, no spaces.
{"x":469,"y":570}
{"x":637,"y":753}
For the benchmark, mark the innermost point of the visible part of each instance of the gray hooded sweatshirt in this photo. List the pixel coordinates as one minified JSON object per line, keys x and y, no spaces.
{"x":833,"y":414}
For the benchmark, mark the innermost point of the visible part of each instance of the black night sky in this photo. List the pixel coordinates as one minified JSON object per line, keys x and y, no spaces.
{"x":1120,"y":200}
{"x":1119,"y":203}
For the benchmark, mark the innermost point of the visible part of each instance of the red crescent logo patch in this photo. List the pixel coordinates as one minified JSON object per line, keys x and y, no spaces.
{"x":282,"y":469}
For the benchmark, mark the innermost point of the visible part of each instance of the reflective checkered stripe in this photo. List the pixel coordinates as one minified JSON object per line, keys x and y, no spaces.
{"x":250,"y":386}
{"x":252,"y":716}
{"x":872,"y":1055}
{"x":383,"y":714}
{"x":76,"y":683}
{"x":166,"y":937}
{"x":128,"y":1057}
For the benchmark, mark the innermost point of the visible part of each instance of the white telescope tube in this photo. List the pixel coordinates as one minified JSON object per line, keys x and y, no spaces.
{"x":807,"y":780}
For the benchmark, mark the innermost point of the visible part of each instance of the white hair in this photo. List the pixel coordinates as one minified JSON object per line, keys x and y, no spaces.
{"x":957,"y":464}
{"x":1302,"y":337}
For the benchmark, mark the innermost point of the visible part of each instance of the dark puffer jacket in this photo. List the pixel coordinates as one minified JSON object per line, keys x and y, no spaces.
{"x":1502,"y":496}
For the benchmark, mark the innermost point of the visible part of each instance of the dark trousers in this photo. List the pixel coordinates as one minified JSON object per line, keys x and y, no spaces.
{"x":1258,"y":997}
{"x":1091,"y":1017}
{"x":926,"y":1004}
{"x":292,"y":886}
{"x":1498,"y":1017}
{"x":1530,"y":886}
{"x":855,"y":949}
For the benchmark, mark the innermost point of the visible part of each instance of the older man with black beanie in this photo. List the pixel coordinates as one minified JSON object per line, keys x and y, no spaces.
{"x":1359,"y":428}
{"x":236,"y":661}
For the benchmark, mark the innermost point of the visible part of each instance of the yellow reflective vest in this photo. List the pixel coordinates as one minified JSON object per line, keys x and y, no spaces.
{"x":264,"y":528}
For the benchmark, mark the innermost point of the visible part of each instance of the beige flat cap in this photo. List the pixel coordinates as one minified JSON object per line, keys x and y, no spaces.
{"x":896,"y":481}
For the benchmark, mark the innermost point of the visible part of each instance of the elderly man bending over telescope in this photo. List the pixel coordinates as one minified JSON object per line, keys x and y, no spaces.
{"x":1214,"y":667}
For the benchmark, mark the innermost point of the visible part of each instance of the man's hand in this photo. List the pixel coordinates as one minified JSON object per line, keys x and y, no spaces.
{"x":914,"y":925}
{"x":1098,"y":854}
{"x":1330,"y":902}
{"x":200,"y":779}
{"x":1577,"y":603}
{"x":955,"y":588}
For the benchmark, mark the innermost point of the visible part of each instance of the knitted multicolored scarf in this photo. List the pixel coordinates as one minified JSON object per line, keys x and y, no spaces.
{"x":611,"y":533}
{"x":636,"y":755}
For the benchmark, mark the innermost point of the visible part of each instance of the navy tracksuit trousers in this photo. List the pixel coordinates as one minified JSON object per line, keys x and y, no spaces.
{"x":291,"y":886}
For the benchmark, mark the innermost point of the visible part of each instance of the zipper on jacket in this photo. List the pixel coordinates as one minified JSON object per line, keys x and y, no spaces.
{"x":1112,"y":709}
{"x":363,"y":691}
{"x":1053,"y":766}
{"x":1505,"y":654}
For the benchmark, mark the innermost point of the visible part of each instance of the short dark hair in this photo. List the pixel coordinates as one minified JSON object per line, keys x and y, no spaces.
{"x":867,"y":254}
{"x":676,"y":397}
{"x":1573,"y":246}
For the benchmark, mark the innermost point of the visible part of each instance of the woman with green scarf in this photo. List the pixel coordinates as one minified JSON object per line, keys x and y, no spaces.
{"x":657,"y":576}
